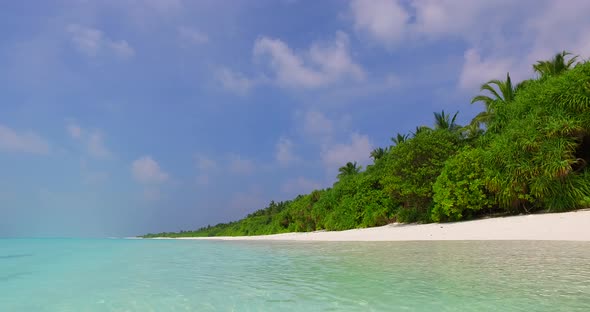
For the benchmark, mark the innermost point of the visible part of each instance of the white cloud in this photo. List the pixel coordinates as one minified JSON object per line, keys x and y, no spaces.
{"x":317,"y":125}
{"x":383,"y":20}
{"x":96,"y":147}
{"x":147,"y":171}
{"x":391,"y":22}
{"x":515,"y":34}
{"x":122,"y":48}
{"x":323,"y":64}
{"x":93,"y":42}
{"x":92,"y":139}
{"x":204,"y":163}
{"x":300,"y":185}
{"x":560,"y":27}
{"x":334,"y":60}
{"x":191,"y":35}
{"x":75,"y":131}
{"x":337,"y":155}
{"x":240,"y":166}
{"x":234,"y":81}
{"x":284,"y":152}
{"x":437,"y":18}
{"x":289,"y":68}
{"x":27,"y":142}
{"x":501,"y":35}
{"x":477,"y":71}
{"x":88,"y":40}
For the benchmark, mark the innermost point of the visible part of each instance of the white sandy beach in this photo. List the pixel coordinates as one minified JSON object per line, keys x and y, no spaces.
{"x":568,"y":226}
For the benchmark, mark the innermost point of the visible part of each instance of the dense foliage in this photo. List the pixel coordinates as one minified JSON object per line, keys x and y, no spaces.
{"x":528,"y":151}
{"x":412,"y":168}
{"x":460,"y":190}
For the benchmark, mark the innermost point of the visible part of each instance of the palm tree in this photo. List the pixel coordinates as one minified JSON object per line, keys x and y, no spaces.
{"x":378,"y":153}
{"x":482,"y":118}
{"x":472,"y":131}
{"x":555,"y":66}
{"x":444,"y":121}
{"x":400,"y":138}
{"x":420,"y":129}
{"x":349,"y":169}
{"x":504,"y":94}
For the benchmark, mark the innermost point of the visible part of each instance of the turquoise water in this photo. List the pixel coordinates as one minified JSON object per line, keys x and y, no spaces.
{"x":170,"y":275}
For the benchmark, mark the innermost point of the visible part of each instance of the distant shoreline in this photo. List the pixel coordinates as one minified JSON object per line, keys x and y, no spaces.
{"x":567,"y":226}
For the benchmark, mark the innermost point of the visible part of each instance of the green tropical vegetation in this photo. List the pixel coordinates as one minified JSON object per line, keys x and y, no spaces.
{"x":528,"y":151}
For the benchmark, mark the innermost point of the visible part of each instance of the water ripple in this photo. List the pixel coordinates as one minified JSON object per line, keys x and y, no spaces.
{"x":298,"y":276}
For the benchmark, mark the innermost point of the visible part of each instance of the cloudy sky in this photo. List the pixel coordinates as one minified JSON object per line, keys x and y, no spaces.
{"x":130,"y":116}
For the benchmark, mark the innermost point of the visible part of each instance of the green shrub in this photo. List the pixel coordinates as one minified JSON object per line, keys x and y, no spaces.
{"x":411,"y":215}
{"x":533,"y":155}
{"x":461,"y":187}
{"x":414,"y":165}
{"x":533,"y":159}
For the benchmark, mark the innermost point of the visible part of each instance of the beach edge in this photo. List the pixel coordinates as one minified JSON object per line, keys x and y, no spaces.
{"x":566,"y":226}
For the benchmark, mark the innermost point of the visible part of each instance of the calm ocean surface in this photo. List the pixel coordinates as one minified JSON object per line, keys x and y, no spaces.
{"x":167,"y":275}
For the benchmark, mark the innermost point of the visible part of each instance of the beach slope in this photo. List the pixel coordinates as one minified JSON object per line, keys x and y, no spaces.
{"x":568,"y":226}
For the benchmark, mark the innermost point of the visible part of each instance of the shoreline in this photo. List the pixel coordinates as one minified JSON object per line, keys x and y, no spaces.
{"x":565,"y":226}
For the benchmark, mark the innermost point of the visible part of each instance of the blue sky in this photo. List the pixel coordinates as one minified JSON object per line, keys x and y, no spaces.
{"x":124,"y":117}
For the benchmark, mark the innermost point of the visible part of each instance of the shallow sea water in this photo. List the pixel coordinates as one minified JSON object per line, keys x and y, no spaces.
{"x":181,"y":275}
